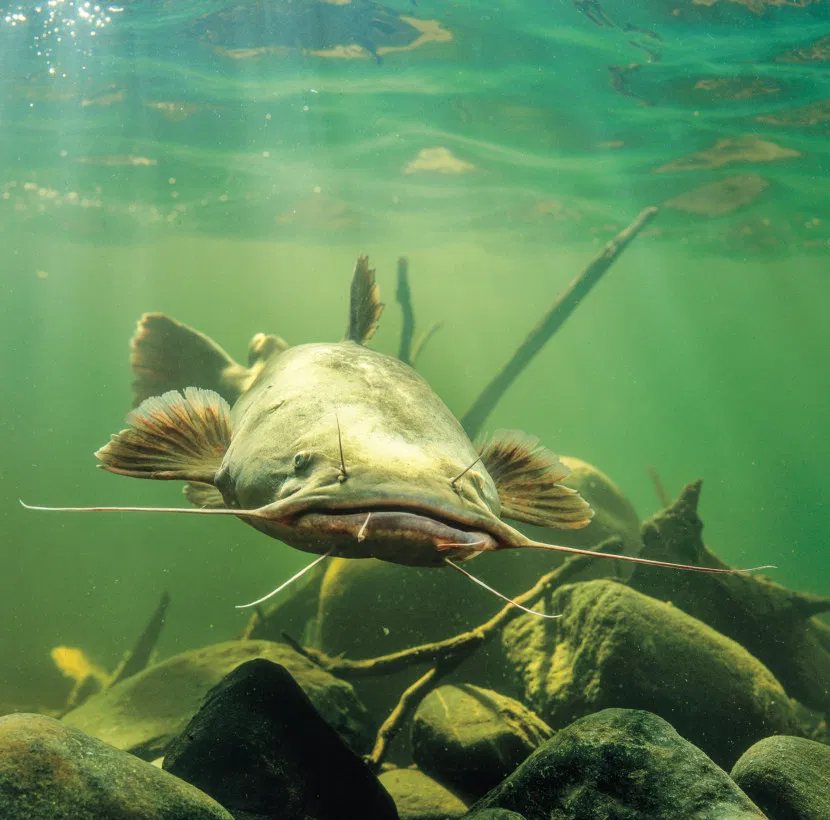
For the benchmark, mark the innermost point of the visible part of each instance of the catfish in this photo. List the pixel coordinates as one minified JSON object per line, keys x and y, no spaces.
{"x":335,"y":449}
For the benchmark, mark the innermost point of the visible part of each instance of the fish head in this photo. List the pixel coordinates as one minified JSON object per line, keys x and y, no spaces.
{"x":360,"y":483}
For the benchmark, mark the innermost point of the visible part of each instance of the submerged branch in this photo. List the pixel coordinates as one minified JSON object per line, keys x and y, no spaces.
{"x":404,"y":297}
{"x":138,"y":659}
{"x":443,"y":656}
{"x":407,"y":704}
{"x":473,"y":420}
{"x":659,"y":487}
{"x":458,"y":647}
{"x":422,"y":342}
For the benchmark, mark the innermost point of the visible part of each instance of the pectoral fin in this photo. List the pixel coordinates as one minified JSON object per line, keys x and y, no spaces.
{"x":527,"y":477}
{"x":172,"y":437}
{"x":167,"y":355}
{"x":205,"y":496}
{"x":365,"y":306}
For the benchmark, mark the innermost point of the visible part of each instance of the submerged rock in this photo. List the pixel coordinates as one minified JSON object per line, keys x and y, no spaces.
{"x":616,"y":647}
{"x":775,"y":624}
{"x":619,"y":763}
{"x":787,"y":777}
{"x":259,"y":746}
{"x":493,"y":814}
{"x":144,"y":713}
{"x":418,"y":797}
{"x":49,"y":771}
{"x":470,"y":739}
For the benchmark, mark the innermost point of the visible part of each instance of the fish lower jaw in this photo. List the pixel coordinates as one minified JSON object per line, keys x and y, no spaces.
{"x":402,"y":536}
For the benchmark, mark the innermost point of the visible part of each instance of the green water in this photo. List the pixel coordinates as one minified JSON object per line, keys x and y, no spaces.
{"x":201,"y":162}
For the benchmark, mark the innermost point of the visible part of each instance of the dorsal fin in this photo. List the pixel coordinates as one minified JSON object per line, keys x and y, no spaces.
{"x":527,"y":477}
{"x":172,"y":437}
{"x":365,"y":306}
{"x":167,"y":355}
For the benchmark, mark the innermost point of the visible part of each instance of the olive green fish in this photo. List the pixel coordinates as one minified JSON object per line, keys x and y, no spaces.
{"x":334,"y":448}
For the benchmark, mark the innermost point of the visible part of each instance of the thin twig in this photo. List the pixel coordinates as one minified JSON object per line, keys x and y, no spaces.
{"x":404,"y":297}
{"x":659,"y":487}
{"x":391,"y":726}
{"x":422,"y":342}
{"x":309,"y":654}
{"x":138,"y":659}
{"x":473,"y":420}
{"x":253,"y":622}
{"x":408,"y":703}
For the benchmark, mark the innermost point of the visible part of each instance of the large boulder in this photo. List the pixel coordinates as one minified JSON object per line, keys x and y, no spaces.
{"x":788,"y":777}
{"x":49,"y":771}
{"x":622,"y":764}
{"x":144,"y":713}
{"x":616,"y":647}
{"x":259,"y":746}
{"x":469,"y":739}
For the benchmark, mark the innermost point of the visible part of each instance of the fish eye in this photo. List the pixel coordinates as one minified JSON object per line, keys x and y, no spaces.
{"x":301,"y":461}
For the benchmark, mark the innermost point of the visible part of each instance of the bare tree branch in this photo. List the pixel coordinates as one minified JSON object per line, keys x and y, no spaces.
{"x":473,"y":420}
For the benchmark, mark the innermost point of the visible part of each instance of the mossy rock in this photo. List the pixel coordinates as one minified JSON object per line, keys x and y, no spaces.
{"x":622,"y":764}
{"x":469,"y":739}
{"x":614,"y":647}
{"x":50,"y":771}
{"x":144,"y":713}
{"x":788,"y":777}
{"x":419,"y":797}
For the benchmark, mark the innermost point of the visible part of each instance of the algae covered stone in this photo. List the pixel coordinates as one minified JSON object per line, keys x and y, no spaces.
{"x":419,"y":797}
{"x":622,"y":764}
{"x":470,"y":738}
{"x":49,"y":771}
{"x":145,"y":712}
{"x":788,"y":777}
{"x":616,"y":647}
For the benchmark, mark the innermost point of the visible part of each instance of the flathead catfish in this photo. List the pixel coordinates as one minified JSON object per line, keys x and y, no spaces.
{"x":334,"y":448}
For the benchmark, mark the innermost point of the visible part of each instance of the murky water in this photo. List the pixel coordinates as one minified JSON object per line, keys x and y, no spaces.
{"x":226,"y":163}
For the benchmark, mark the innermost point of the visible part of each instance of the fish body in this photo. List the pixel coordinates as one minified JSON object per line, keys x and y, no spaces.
{"x":335,"y":449}
{"x":402,"y":447}
{"x":332,"y":448}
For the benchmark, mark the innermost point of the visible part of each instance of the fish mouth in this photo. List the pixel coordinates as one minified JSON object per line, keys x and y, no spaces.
{"x":406,"y":533}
